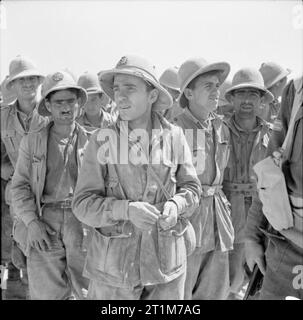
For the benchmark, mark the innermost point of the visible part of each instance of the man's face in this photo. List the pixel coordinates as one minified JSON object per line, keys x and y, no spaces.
{"x":64,"y":106}
{"x":246,"y":102}
{"x":93,"y":104}
{"x":26,"y":87}
{"x":205,"y":94}
{"x":131,"y":96}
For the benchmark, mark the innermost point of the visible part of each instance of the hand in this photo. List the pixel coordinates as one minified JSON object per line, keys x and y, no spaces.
{"x":169,"y":215}
{"x":143,"y":215}
{"x":38,"y":235}
{"x":254,"y":254}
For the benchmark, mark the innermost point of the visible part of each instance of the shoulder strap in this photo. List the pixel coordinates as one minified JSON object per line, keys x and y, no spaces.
{"x":36,"y":164}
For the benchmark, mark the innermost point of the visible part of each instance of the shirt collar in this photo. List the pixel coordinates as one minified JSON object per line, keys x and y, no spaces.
{"x":206,"y":124}
{"x":259,"y":125}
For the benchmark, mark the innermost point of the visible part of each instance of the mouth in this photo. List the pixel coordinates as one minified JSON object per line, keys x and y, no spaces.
{"x":28,"y":89}
{"x":246,"y":107}
{"x":66,"y":114}
{"x":124,"y":108}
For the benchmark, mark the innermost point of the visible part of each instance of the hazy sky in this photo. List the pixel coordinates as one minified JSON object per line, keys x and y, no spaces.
{"x":93,"y":35}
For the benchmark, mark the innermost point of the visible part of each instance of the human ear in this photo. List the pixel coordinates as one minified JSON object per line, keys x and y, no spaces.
{"x":188,"y":93}
{"x":47,"y":105}
{"x":154,"y":95}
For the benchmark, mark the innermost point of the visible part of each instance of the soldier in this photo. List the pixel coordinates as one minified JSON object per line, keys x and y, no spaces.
{"x":18,"y":118}
{"x":93,"y":115}
{"x":139,"y":201}
{"x":249,"y":139}
{"x":42,"y":189}
{"x":169,"y":80}
{"x":275,"y":79}
{"x":282,"y":261}
{"x":7,"y":97}
{"x":208,"y":267}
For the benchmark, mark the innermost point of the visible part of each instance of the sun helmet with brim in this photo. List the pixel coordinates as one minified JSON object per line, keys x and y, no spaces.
{"x":248,"y":78}
{"x":194,"y":67}
{"x":60,"y":80}
{"x":139,"y":67}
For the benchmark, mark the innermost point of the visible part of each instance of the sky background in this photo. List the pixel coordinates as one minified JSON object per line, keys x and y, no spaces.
{"x":94,"y":35}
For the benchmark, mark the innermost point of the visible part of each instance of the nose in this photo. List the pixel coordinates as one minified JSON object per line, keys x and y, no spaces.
{"x":28,"y":82}
{"x":120,"y":96}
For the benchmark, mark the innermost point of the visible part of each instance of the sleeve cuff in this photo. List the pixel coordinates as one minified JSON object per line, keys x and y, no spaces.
{"x":120,"y":209}
{"x":178,"y":202}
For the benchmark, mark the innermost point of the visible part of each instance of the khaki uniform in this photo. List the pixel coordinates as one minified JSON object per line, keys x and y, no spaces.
{"x":208,"y":269}
{"x":247,"y":148}
{"x":282,"y":255}
{"x":14,"y":125}
{"x":120,"y":254}
{"x":55,"y":273}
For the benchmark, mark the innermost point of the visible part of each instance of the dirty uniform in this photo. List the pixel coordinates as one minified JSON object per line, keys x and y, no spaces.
{"x":42,"y":187}
{"x":247,"y":148}
{"x":123,"y":261}
{"x":106,"y":120}
{"x":282,"y":255}
{"x":14,"y":125}
{"x":208,"y":267}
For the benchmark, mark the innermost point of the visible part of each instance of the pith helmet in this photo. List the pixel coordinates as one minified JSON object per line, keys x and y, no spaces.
{"x":59,"y":80}
{"x":272,"y":73}
{"x":169,"y":78}
{"x":195,"y":67}
{"x":248,"y":78}
{"x":139,"y":67}
{"x":22,"y":67}
{"x":90,"y":82}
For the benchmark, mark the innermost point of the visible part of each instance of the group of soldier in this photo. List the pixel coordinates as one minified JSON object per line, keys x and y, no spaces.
{"x":123,"y":185}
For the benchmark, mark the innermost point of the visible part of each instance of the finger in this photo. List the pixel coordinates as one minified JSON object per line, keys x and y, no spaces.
{"x":49,"y":230}
{"x":250,"y":264}
{"x":47,"y":240}
{"x":150,"y":216}
{"x":37,"y":246}
{"x":42,"y":245}
{"x":261,"y":264}
{"x":47,"y":245}
{"x":166,"y":210}
{"x":152,"y":208}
